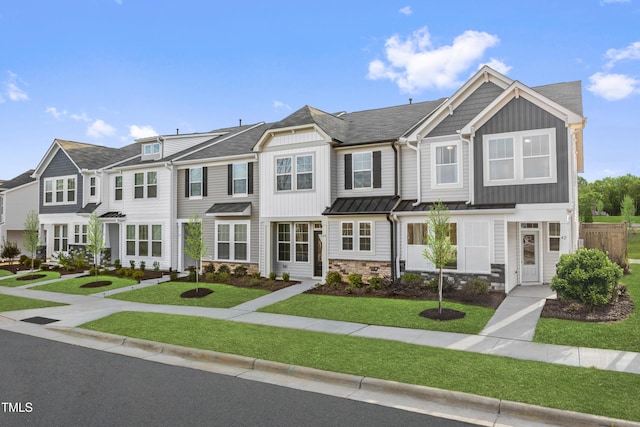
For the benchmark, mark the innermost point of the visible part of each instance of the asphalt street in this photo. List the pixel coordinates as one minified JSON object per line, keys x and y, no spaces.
{"x":48,"y":383}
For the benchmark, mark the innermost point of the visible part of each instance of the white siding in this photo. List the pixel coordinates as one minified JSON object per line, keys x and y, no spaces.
{"x":498,"y":241}
{"x":171,"y":146}
{"x":285,"y":139}
{"x":513,"y":257}
{"x":17,"y":203}
{"x":549,"y":259}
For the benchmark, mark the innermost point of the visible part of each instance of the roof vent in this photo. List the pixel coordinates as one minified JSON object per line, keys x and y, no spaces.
{"x":410,"y":101}
{"x":177,"y":131}
{"x":240,"y":120}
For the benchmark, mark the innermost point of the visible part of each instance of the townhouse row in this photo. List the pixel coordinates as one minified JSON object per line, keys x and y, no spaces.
{"x":350,"y":192}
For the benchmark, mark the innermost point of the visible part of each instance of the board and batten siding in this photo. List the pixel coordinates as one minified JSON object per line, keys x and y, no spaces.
{"x":387,"y":159}
{"x":217,"y":176}
{"x":381,"y":244}
{"x":295,"y":203}
{"x":430,"y":194}
{"x":286,"y":139}
{"x":520,"y":115}
{"x":61,"y":165}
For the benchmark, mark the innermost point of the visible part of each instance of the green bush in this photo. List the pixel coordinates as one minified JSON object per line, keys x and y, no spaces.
{"x":132,"y":264}
{"x":224,"y":276}
{"x":92,"y":271}
{"x":272,"y":275}
{"x":156,"y":266}
{"x":128,"y":272}
{"x":122,"y":271}
{"x":80,"y":260}
{"x":117,"y":265}
{"x":285,"y":277}
{"x":10,"y":250}
{"x":66,"y":262}
{"x":22,"y":259}
{"x":210,"y":277}
{"x":240,"y":271}
{"x":334,"y":278}
{"x":210,"y":268}
{"x":411,"y":279}
{"x":432,"y":284}
{"x":137,"y":275}
{"x":224,"y":268}
{"x":255,"y":275}
{"x":355,"y":280}
{"x":254,"y":281}
{"x":173,"y":276}
{"x":376,"y":282}
{"x":587,"y":276}
{"x":476,"y":286}
{"x":45,"y":267}
{"x":143,"y":265}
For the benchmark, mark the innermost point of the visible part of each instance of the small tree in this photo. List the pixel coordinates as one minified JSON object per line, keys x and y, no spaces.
{"x":600,"y":207}
{"x":95,"y":239}
{"x":31,"y":234}
{"x":439,"y":249}
{"x":628,"y":210}
{"x":10,"y":250}
{"x":194,"y":245}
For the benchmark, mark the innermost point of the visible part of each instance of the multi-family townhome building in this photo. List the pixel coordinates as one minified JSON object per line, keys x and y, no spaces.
{"x":18,"y":196}
{"x":71,"y":185}
{"x":218,"y":183}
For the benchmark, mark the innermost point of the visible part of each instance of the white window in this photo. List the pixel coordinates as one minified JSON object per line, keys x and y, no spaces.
{"x":357,"y":236}
{"x":151,"y":185}
{"x":131,"y":240}
{"x":362,"y":170}
{"x":284,"y":242}
{"x":232,"y":240}
{"x":156,"y":240}
{"x":445,"y":165}
{"x":60,"y":238}
{"x":92,"y":186}
{"x":303,"y":173}
{"x":347,"y":236}
{"x":302,"y":242}
{"x":195,"y":182}
{"x":554,"y":237}
{"x":118,"y":187}
{"x":138,"y":187}
{"x":149,"y":149}
{"x":240,"y":178}
{"x":60,"y":191}
{"x":139,"y":240}
{"x":364,"y":234}
{"x":526,"y":157}
{"x":80,"y":234}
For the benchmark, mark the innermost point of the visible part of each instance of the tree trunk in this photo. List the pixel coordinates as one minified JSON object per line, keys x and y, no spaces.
{"x":440,"y":293}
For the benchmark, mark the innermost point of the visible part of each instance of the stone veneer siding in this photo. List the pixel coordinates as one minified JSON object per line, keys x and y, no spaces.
{"x":251,"y":267}
{"x":496,"y":278}
{"x":367,"y":269}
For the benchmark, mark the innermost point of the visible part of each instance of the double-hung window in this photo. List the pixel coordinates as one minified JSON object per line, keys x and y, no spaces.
{"x":232,"y":239}
{"x":141,"y":237}
{"x":417,"y":233}
{"x":347,"y":236}
{"x":195,"y":182}
{"x":60,"y":238}
{"x":362,"y":170}
{"x":284,"y":242}
{"x":554,"y":237}
{"x":60,"y":191}
{"x":302,"y":242}
{"x":357,"y":236}
{"x":118,"y":187}
{"x":240,"y":178}
{"x":516,"y":158}
{"x":80,"y":234}
{"x":138,"y":187}
{"x":151,"y":185}
{"x":445,"y":165}
{"x":294,"y":173}
{"x":92,"y":186}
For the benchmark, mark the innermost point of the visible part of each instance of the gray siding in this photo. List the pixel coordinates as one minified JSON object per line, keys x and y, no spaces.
{"x":466,"y":111}
{"x":518,"y":115}
{"x":387,"y":171}
{"x":60,"y":165}
{"x":217,"y":193}
{"x":381,"y":243}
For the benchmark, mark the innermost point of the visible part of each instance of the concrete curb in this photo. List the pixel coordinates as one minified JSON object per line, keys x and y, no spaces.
{"x":490,"y":405}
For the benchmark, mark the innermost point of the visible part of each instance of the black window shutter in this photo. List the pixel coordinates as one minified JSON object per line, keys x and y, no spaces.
{"x":186,"y":183}
{"x":347,"y":172}
{"x":204,"y":181}
{"x":230,"y":180}
{"x":377,"y":169}
{"x":250,"y":178}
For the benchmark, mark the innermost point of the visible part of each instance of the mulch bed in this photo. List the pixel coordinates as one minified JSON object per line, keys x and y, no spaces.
{"x":248,"y":282}
{"x":96,"y":284}
{"x":196,"y":293}
{"x":445,"y":314}
{"x":614,"y":312}
{"x":14,"y":268}
{"x":32,"y":277}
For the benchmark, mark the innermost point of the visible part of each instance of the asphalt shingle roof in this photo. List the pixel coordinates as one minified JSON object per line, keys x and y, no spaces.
{"x":23,"y":178}
{"x":90,"y":156}
{"x":569,"y":94}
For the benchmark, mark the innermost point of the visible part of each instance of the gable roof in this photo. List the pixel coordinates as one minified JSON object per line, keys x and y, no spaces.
{"x":20,"y":180}
{"x":89,"y":156}
{"x":568,"y":94}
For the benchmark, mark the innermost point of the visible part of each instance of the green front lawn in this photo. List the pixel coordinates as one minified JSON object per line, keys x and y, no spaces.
{"x":223,"y":296}
{"x":633,"y":245}
{"x":11,"y":303}
{"x":606,"y":393}
{"x":14,"y":281}
{"x":5,"y":273}
{"x":382,"y":311}
{"x":636,"y":219}
{"x":72,"y":286}
{"x":624,"y":335}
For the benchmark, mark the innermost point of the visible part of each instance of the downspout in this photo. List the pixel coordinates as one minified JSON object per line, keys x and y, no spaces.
{"x":392,"y":224}
{"x":418,"y":171}
{"x":471,"y":168}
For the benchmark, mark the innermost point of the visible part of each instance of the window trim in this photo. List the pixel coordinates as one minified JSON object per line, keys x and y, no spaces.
{"x":65,"y":190}
{"x":297,"y":242}
{"x":80,"y":232}
{"x":355,"y":228}
{"x":116,"y":187}
{"x":370,"y":237}
{"x":347,"y":236}
{"x":279,"y":242}
{"x":232,"y":240}
{"x":293,"y":173}
{"x":192,"y":182}
{"x":245,"y":179}
{"x":149,"y":240}
{"x":353,"y":170}
{"x":92,"y":186}
{"x":554,"y":236}
{"x":518,"y":158}
{"x":434,"y":166}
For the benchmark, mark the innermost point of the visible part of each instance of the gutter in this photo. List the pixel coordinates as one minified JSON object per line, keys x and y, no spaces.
{"x":471,"y":167}
{"x":418,"y":171}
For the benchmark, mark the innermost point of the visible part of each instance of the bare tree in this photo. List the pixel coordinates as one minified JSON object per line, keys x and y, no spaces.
{"x":194,"y":245}
{"x":95,"y":239}
{"x":31,"y":234}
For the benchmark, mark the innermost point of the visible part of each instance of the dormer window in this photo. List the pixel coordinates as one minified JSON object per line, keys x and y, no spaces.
{"x":151,"y":149}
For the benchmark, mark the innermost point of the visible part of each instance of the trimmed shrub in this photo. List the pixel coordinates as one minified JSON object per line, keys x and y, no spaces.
{"x":210,"y":277}
{"x":132,"y":263}
{"x":334,"y":278}
{"x":476,"y":286}
{"x":143,"y":265}
{"x":224,"y":276}
{"x":224,"y":268}
{"x":285,"y":277}
{"x":587,"y":276}
{"x":137,"y":275}
{"x":240,"y":271}
{"x":23,"y":258}
{"x":122,"y":271}
{"x":376,"y":282}
{"x":272,"y":275}
{"x":355,"y":280}
{"x":210,"y":268}
{"x":117,"y":265}
{"x":411,"y":279}
{"x":432,"y":284}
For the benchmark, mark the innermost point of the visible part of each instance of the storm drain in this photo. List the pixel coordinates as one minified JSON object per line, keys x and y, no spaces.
{"x":39,"y":320}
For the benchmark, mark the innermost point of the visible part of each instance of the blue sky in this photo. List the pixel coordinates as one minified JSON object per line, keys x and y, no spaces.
{"x":109,"y":71}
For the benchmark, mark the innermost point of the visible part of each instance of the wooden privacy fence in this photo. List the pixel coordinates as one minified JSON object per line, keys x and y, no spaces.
{"x":607,"y":237}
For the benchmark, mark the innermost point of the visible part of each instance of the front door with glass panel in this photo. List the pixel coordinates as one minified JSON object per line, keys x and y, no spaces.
{"x":530,"y":256}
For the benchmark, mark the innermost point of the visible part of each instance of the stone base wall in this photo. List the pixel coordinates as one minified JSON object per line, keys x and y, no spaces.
{"x":251,"y":267}
{"x":496,"y":278}
{"x":367,"y":269}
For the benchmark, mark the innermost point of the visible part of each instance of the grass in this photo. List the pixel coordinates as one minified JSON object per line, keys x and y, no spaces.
{"x":633,"y":245}
{"x":623,"y":335}
{"x":5,"y":273}
{"x":13,"y":282}
{"x":606,"y":393}
{"x":223,"y":296}
{"x":636,"y":219}
{"x":72,"y":286}
{"x":11,"y":303}
{"x":382,"y":311}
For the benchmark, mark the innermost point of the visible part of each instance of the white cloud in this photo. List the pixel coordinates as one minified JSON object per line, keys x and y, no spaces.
{"x":406,"y":10}
{"x":613,"y":87}
{"x":99,"y":128}
{"x":12,"y":90}
{"x":280,"y":104}
{"x":415,"y":64}
{"x":55,"y":113}
{"x":497,"y":65}
{"x":81,"y":117}
{"x":141,"y":131}
{"x":630,"y":52}
{"x":614,"y":1}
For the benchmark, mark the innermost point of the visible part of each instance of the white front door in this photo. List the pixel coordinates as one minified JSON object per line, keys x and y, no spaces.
{"x":530,"y":256}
